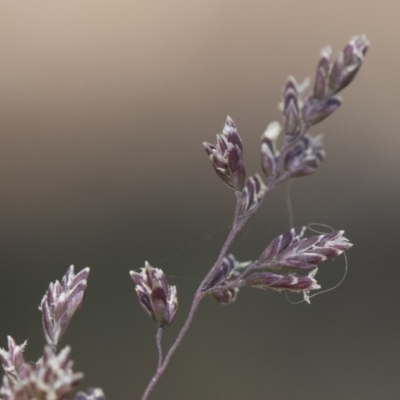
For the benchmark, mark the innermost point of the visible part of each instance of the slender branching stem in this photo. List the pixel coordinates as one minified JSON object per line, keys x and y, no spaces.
{"x":236,"y":228}
{"x":159,"y":347}
{"x":200,"y":293}
{"x":161,"y":368}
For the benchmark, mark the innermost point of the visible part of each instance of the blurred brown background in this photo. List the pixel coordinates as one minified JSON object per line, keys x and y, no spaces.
{"x":103,"y":109}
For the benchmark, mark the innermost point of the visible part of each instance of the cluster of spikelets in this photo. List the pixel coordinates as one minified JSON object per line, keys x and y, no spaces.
{"x":289,"y":263}
{"x":52,"y":377}
{"x":297,"y":154}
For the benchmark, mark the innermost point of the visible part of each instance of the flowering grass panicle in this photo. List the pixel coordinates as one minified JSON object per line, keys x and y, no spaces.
{"x":289,"y":263}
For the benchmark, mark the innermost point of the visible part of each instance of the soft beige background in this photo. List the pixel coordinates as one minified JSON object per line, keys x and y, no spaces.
{"x":103,"y":109}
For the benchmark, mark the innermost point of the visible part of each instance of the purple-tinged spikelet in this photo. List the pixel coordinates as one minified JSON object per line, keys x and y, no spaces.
{"x":332,"y":77}
{"x":158,"y":299}
{"x":305,"y":157}
{"x":291,"y":106}
{"x":220,"y":284}
{"x":348,"y":63}
{"x":227,"y":156}
{"x":291,"y":250}
{"x":251,"y":195}
{"x":60,"y":303}
{"x":269,"y":153}
{"x":90,"y":394}
{"x":322,"y":75}
{"x":288,"y":282}
{"x":13,"y":361}
{"x":291,"y":282}
{"x":50,"y":378}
